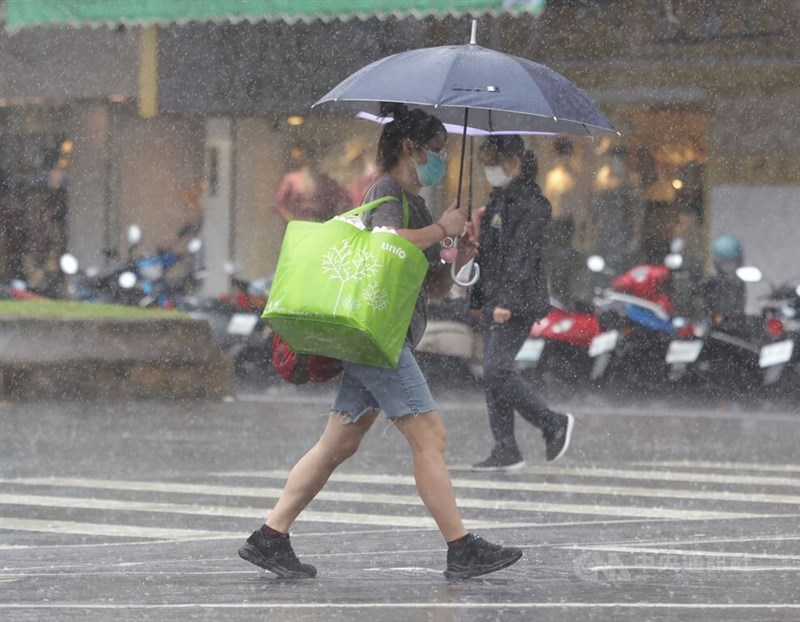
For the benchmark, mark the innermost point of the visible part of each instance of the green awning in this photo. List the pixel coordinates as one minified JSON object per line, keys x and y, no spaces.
{"x":30,"y":13}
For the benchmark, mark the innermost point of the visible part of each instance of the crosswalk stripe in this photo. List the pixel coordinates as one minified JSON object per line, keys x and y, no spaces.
{"x":646,"y":550}
{"x":104,"y":529}
{"x":668,"y":476}
{"x":392,"y":499}
{"x":732,"y":466}
{"x":548,"y":487}
{"x":225,"y":511}
{"x":493,"y":607}
{"x":700,"y":477}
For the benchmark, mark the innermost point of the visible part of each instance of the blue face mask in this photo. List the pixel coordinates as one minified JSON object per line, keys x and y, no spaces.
{"x":431,"y":173}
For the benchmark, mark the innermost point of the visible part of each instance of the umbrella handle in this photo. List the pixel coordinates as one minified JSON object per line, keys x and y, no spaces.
{"x":468,"y":268}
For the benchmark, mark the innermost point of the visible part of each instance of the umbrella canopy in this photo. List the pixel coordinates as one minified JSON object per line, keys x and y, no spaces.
{"x":502,"y":93}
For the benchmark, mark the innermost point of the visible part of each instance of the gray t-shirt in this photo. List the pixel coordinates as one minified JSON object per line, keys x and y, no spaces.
{"x":390,"y":214}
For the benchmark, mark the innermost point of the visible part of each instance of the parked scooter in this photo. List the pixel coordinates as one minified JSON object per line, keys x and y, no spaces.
{"x":558,"y":351}
{"x":137,"y":280}
{"x":780,"y":310}
{"x":644,"y":345}
{"x":747,"y":356}
{"x":743,"y":355}
{"x":17,"y":289}
{"x":630,"y":324}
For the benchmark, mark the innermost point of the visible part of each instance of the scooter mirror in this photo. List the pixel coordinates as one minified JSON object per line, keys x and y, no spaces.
{"x":68,"y":264}
{"x":231,"y":267}
{"x":596,"y":263}
{"x":127,"y":280}
{"x":673,"y":261}
{"x":749,"y":274}
{"x":134,"y":234}
{"x":677,"y":245}
{"x":194,"y":245}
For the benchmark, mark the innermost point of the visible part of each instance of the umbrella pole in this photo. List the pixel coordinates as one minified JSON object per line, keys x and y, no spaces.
{"x":461,"y":164}
{"x":471,"y":174}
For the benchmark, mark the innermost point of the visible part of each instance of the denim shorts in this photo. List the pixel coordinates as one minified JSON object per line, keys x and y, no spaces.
{"x":397,"y":392}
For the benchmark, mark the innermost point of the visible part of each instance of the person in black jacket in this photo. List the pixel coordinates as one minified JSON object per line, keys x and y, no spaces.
{"x":511,"y":295}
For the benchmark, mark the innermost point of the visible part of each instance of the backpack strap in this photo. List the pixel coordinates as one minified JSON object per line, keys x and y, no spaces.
{"x":357,"y":211}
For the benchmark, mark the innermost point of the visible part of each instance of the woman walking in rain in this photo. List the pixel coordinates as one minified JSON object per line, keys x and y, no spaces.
{"x":511,"y":295}
{"x":410,"y":155}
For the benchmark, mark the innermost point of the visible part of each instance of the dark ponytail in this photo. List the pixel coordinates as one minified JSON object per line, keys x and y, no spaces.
{"x":415,"y":125}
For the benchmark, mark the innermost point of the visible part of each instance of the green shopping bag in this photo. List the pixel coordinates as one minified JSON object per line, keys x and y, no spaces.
{"x":345,"y":292}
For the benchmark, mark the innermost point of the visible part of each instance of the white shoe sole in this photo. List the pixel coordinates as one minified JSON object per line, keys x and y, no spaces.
{"x":568,"y":436}
{"x":510,"y":467}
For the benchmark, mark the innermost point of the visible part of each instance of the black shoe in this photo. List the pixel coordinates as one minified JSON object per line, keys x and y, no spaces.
{"x":475,"y":556}
{"x":274,"y":553}
{"x":498,"y":461}
{"x":557,"y":437}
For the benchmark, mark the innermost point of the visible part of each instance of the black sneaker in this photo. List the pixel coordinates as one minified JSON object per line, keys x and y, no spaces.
{"x":475,"y":556}
{"x":499,"y":462}
{"x":557,"y":437}
{"x":274,"y":553}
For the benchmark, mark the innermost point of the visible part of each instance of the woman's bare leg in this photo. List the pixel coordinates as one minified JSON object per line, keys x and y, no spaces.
{"x":428,"y":440}
{"x":339,"y":441}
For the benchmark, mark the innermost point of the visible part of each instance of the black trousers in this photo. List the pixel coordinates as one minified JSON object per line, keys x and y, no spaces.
{"x":506,"y":390}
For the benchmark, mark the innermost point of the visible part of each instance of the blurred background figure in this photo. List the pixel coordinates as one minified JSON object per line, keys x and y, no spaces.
{"x":723,"y":294}
{"x":561,"y":188}
{"x":614,"y":211}
{"x":361,"y":171}
{"x":306,"y":193}
{"x":660,"y":212}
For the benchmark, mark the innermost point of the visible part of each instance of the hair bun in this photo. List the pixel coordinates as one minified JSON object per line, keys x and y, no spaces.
{"x":396,"y":110}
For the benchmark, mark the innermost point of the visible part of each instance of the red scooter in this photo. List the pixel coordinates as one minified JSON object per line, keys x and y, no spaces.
{"x":562,"y":348}
{"x":574,"y":345}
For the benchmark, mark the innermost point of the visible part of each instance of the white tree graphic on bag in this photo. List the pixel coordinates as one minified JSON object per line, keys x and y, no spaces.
{"x":376,"y":297}
{"x":345,"y":265}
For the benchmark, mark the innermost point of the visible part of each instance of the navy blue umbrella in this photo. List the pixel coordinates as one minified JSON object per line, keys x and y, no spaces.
{"x":503,"y":93}
{"x":475,"y":88}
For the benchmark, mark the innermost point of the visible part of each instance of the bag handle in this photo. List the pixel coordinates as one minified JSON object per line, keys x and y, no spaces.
{"x":357,"y":211}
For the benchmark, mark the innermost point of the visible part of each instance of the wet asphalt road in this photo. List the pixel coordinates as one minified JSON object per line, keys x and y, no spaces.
{"x":134,"y":511}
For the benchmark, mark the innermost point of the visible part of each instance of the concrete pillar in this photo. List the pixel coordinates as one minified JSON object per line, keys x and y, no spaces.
{"x":218,"y":217}
{"x":88,"y":215}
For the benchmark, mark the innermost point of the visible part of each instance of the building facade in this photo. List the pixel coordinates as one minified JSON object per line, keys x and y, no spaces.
{"x":703,"y":95}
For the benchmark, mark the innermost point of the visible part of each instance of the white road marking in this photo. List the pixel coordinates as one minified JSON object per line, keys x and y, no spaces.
{"x":704,"y":478}
{"x":550,"y":487}
{"x":494,"y":606}
{"x":299,"y":533}
{"x":697,"y":540}
{"x":687,"y":552}
{"x":665,"y":476}
{"x":96,"y":529}
{"x":703,"y":569}
{"x":391,"y":499}
{"x":732,"y":466}
{"x":205,"y":510}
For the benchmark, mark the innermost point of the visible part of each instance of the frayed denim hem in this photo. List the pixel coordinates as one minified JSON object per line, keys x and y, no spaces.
{"x":347,"y":418}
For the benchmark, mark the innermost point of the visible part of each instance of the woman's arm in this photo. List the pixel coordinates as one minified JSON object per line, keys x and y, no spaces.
{"x":425,"y":237}
{"x":450,"y":224}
